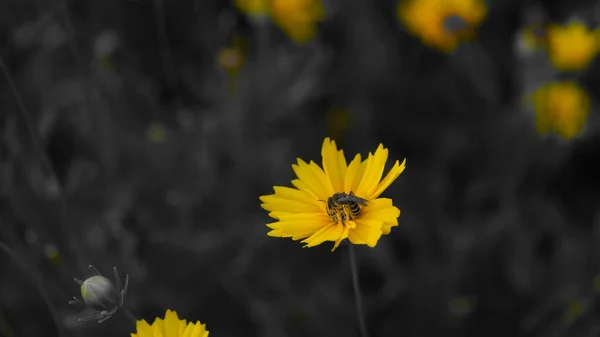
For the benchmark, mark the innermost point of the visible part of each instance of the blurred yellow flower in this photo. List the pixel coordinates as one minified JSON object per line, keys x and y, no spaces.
{"x":561,"y":107}
{"x":171,"y":326}
{"x":337,"y":202}
{"x":442,"y":23}
{"x":253,"y":7}
{"x":297,"y":18}
{"x":572,"y":47}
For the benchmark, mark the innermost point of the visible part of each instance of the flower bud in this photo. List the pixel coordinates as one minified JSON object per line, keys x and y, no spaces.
{"x":99,"y":293}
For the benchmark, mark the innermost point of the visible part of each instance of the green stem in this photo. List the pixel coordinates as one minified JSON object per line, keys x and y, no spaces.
{"x":357,"y":293}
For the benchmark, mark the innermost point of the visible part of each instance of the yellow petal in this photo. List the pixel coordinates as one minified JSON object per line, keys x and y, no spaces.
{"x":380,"y":209}
{"x":298,"y":226}
{"x":171,"y":324}
{"x":198,"y":330}
{"x":302,"y":186}
{"x":373,"y":171}
{"x":181,"y":328}
{"x":318,"y":172}
{"x":188,"y":330}
{"x":314,"y":177}
{"x":331,"y":232}
{"x":334,"y":164}
{"x":287,"y":193}
{"x":158,"y":328}
{"x":143,"y":329}
{"x":386,"y":228}
{"x":394,"y":173}
{"x":352,"y":174}
{"x":341,"y":238}
{"x":274,"y":202}
{"x":367,"y":231}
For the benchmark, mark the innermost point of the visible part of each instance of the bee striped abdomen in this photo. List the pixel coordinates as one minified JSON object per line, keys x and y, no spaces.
{"x":354,"y":209}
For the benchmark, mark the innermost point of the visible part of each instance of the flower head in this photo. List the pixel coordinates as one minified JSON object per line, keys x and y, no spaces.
{"x":442,"y":23}
{"x":337,"y":201}
{"x":561,"y":107}
{"x":170,"y":326}
{"x":572,"y":47}
{"x":297,"y":18}
{"x":101,"y":294}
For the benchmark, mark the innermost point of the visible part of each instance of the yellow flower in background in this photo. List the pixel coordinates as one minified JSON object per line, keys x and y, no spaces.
{"x":253,"y":7}
{"x":337,"y":201}
{"x":572,"y":47}
{"x":297,"y":18}
{"x":561,"y":107}
{"x":170,"y":326}
{"x":442,"y":23}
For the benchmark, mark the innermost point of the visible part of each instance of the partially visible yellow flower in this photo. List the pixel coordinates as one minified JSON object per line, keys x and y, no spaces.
{"x":337,"y":201}
{"x":442,"y":23}
{"x":170,"y":326}
{"x":298,"y":18}
{"x":561,"y":107}
{"x":572,"y":47}
{"x":253,"y":7}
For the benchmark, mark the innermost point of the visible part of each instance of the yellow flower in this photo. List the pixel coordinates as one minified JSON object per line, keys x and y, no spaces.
{"x":442,"y":23}
{"x":561,"y":107}
{"x":337,"y":202}
{"x":572,"y":47}
{"x":171,"y":326}
{"x":297,"y":18}
{"x":253,"y":7}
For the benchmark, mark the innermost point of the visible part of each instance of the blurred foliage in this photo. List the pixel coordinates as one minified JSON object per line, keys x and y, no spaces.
{"x":130,"y":149}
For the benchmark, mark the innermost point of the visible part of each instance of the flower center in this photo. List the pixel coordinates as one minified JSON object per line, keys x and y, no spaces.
{"x":342,"y":207}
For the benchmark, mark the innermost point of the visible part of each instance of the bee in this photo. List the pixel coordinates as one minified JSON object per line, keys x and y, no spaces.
{"x":346,"y":205}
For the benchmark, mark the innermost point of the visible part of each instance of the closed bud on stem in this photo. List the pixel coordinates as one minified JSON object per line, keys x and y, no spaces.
{"x":101,"y":294}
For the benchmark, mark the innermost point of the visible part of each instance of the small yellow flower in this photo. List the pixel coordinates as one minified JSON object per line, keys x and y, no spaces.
{"x":572,"y":47}
{"x":337,"y":202}
{"x":442,"y":23}
{"x":561,"y":107}
{"x":253,"y":7}
{"x":297,"y":18}
{"x":171,"y":326}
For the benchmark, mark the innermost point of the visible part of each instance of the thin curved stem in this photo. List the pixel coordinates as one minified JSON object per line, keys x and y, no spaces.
{"x":357,"y":293}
